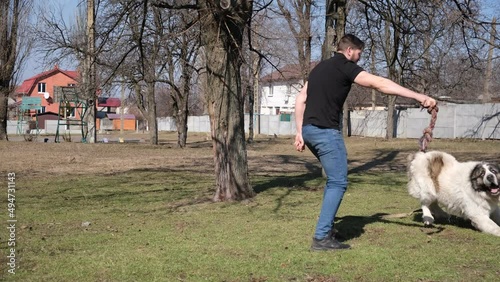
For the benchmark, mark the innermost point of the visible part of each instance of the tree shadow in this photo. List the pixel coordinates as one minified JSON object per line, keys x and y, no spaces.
{"x":314,"y":170}
{"x":381,"y":158}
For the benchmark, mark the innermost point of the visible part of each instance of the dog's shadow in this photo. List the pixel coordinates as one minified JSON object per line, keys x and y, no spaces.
{"x":351,"y":226}
{"x":441,"y":222}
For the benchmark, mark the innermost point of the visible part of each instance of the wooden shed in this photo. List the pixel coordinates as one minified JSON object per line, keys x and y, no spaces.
{"x":42,"y":117}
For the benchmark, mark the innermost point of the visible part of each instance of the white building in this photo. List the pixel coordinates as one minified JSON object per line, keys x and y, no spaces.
{"x":279,"y":89}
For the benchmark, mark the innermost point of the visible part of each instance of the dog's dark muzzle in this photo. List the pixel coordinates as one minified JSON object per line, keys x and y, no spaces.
{"x":492,"y":179}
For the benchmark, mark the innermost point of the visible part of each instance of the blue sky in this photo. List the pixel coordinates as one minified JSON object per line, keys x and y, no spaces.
{"x":35,"y":66}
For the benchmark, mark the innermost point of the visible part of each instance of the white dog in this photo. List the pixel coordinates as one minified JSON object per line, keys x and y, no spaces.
{"x":465,"y":189}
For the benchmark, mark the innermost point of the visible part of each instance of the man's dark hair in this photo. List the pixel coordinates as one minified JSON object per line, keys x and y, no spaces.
{"x":352,"y":41}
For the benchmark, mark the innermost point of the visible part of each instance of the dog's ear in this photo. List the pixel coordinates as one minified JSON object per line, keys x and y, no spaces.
{"x":476,"y":176}
{"x":477,"y":172}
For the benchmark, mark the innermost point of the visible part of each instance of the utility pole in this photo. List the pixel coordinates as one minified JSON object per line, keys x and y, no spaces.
{"x":90,"y":71}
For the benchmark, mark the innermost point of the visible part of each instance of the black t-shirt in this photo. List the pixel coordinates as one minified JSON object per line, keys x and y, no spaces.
{"x":328,"y":85}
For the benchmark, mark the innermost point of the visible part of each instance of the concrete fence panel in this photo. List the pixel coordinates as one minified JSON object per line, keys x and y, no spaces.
{"x":479,"y":121}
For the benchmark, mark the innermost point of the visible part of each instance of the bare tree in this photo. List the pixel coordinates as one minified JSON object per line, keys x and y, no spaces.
{"x":226,"y":21}
{"x":147,"y":34}
{"x":13,"y":15}
{"x":299,"y":22}
{"x":137,"y":35}
{"x":224,"y":24}
{"x":76,"y":41}
{"x":413,"y":41}
{"x":269,"y":45}
{"x":89,"y":73}
{"x":182,"y":48}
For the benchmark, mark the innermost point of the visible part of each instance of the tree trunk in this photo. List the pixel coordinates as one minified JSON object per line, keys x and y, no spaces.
{"x":4,"y":94}
{"x":9,"y":25}
{"x":489,"y":64}
{"x":91,"y":87}
{"x":151,"y":114}
{"x":251,"y":105}
{"x":181,"y":105}
{"x":334,"y":30}
{"x":390,"y":117}
{"x":392,"y":48}
{"x":181,"y":122}
{"x":222,"y":39}
{"x":256,"y":65}
{"x":334,"y":26}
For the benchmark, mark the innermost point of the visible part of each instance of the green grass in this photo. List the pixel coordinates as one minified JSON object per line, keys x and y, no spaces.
{"x":158,"y":226}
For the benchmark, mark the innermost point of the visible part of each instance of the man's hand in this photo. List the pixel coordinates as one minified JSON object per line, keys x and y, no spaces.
{"x":299,"y":143}
{"x":429,"y":103}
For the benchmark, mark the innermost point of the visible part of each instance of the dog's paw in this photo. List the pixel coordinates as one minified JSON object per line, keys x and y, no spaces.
{"x":428,"y":221}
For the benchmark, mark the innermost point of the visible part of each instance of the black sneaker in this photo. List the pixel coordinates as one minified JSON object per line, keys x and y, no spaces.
{"x":334,"y":233}
{"x":328,"y":243}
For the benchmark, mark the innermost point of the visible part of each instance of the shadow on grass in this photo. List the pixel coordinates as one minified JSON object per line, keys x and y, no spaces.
{"x":354,"y":226}
{"x":351,"y":226}
{"x":297,"y":182}
{"x":450,"y":221}
{"x":314,"y":170}
{"x":381,"y":158}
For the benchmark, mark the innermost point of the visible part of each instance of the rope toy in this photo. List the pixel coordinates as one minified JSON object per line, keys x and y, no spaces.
{"x":427,"y":134}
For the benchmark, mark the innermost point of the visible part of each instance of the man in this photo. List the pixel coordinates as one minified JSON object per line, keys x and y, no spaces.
{"x":318,"y":114}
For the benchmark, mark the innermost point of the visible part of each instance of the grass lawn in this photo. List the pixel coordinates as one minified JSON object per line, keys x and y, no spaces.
{"x":135,"y":212}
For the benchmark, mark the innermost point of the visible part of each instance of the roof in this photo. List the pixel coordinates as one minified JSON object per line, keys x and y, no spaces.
{"x":288,"y":72}
{"x":118,"y":116}
{"x":45,"y":114}
{"x":108,"y":102}
{"x":29,"y":83}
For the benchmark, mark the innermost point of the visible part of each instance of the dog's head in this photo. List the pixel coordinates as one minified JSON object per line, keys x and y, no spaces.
{"x":486,"y":177}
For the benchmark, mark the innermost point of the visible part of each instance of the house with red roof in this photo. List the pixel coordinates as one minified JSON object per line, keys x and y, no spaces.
{"x":42,"y":86}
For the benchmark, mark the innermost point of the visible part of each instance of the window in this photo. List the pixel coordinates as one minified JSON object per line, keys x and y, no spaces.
{"x":270,"y":91}
{"x":41,"y":87}
{"x":41,"y":111}
{"x":71,"y":84}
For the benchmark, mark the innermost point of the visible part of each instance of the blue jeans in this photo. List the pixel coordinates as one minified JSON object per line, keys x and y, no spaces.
{"x":328,"y":146}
